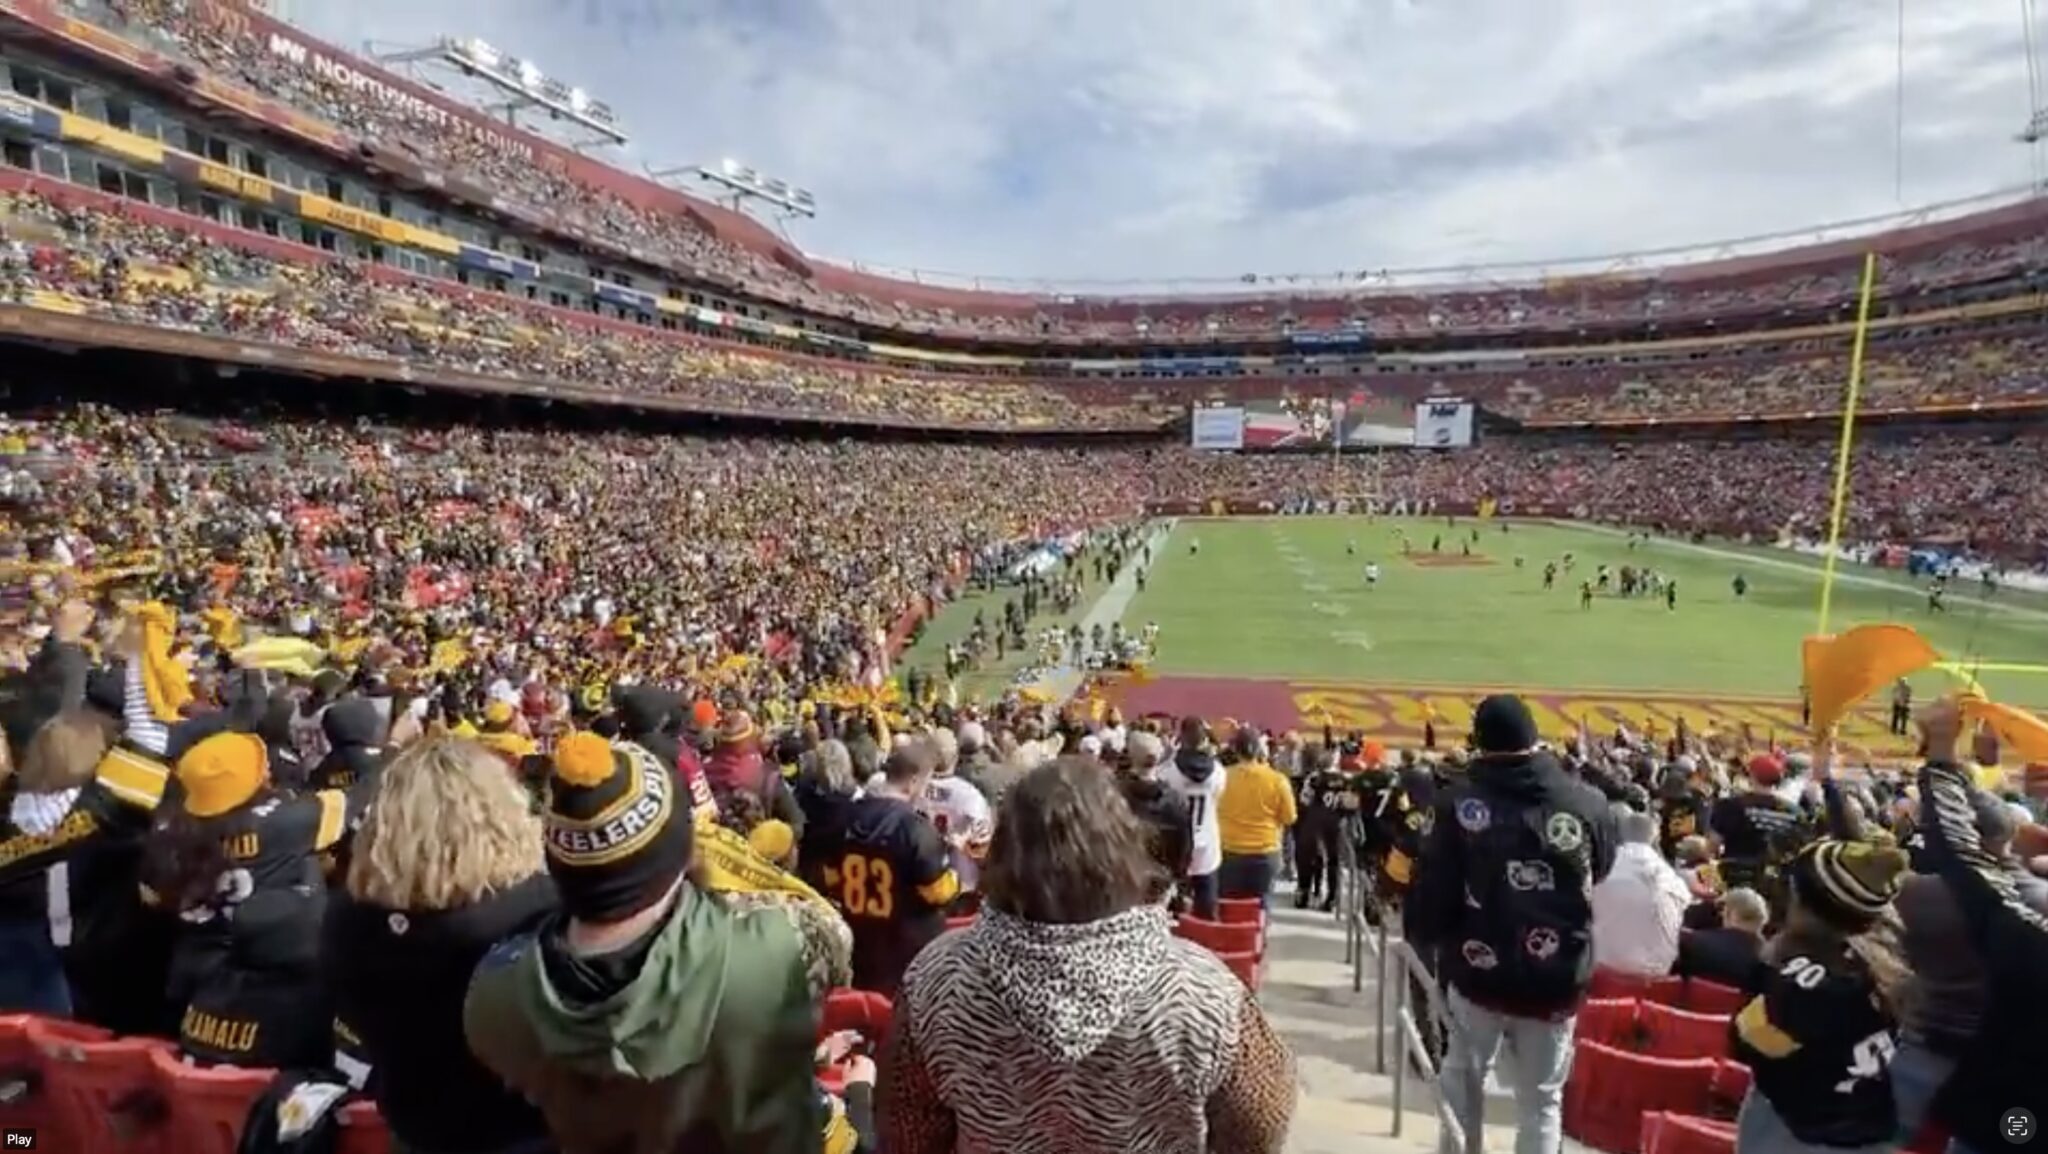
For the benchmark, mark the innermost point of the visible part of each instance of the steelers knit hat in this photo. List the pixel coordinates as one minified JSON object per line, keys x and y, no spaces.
{"x":222,"y":772}
{"x":1849,"y":884}
{"x":616,"y":838}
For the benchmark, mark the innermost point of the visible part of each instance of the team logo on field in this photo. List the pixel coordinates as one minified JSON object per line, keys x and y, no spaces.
{"x":1530,"y":876}
{"x":1473,"y":815}
{"x":1479,"y":955}
{"x":1541,"y":942}
{"x":1565,"y":833}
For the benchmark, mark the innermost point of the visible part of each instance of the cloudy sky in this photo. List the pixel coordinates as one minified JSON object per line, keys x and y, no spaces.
{"x":1113,"y":140}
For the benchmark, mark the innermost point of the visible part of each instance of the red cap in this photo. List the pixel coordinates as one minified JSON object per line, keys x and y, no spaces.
{"x":1766,"y":769}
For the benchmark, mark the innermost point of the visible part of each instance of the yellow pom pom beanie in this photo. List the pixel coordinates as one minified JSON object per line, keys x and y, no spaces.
{"x":222,"y":772}
{"x":616,"y":838}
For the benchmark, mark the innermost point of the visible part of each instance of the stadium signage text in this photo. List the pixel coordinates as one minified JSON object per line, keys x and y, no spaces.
{"x":328,"y":68}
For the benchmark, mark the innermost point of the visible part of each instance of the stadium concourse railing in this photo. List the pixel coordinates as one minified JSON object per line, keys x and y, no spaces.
{"x":1397,"y":971}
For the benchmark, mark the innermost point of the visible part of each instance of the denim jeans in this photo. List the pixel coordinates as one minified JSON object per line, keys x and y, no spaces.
{"x":1539,"y":1056}
{"x":32,"y":976}
{"x":1759,"y":1130}
{"x":1917,"y":1075}
{"x":1248,"y":875}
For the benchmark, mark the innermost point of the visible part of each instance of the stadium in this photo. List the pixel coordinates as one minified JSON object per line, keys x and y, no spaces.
{"x":325,"y":386}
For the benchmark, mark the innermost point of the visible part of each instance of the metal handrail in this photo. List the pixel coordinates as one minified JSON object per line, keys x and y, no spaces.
{"x":1395,"y":966}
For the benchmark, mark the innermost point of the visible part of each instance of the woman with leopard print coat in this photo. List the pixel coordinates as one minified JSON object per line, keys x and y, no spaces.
{"x":1069,"y":1018}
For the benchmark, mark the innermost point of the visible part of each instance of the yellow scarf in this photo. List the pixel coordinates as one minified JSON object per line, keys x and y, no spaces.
{"x":165,"y":682}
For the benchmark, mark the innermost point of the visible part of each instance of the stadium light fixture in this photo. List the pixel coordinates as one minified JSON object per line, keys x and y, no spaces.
{"x":525,"y":86}
{"x":739,"y":185}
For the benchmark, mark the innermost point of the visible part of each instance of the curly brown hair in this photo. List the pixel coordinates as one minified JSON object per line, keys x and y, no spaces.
{"x":1067,"y":847}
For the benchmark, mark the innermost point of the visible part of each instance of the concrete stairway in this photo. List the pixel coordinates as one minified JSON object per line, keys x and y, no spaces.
{"x":1345,"y":1106}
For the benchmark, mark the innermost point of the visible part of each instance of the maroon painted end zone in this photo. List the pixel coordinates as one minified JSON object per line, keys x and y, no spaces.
{"x":1399,"y":715}
{"x":1266,"y":704}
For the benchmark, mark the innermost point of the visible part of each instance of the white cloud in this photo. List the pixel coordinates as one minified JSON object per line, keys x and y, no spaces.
{"x":1124,"y":139}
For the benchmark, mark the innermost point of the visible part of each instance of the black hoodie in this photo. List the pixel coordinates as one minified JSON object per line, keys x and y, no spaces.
{"x":651,"y":718}
{"x":398,"y":979}
{"x":1197,"y":765}
{"x":1503,"y":891}
{"x":355,"y":736}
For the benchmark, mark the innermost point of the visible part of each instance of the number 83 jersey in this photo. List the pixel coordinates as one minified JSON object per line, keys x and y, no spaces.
{"x":880,"y":861}
{"x":1820,"y":1044}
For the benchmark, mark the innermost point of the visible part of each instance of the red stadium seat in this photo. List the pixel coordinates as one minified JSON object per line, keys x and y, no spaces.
{"x":106,"y":1089}
{"x":1222,"y":937}
{"x":1244,"y":912}
{"x":25,"y":1099}
{"x":1245,"y":965}
{"x":1668,"y":990}
{"x":1730,"y":1087}
{"x":208,"y":1106}
{"x":363,"y":1130}
{"x":1705,"y":997}
{"x":1668,"y":1032}
{"x":863,"y":1011}
{"x":1609,"y":1021}
{"x":1615,"y":984}
{"x":1610,"y":1091}
{"x":1667,"y":1133}
{"x":960,"y":922}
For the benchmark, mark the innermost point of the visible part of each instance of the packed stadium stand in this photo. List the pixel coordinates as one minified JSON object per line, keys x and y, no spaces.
{"x":304,"y":350}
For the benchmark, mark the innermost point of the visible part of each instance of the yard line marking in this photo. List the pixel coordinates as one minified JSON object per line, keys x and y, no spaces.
{"x":1330,"y":610}
{"x":1359,"y":638}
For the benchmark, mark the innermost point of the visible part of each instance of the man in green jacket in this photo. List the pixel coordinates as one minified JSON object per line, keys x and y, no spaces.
{"x":651,"y":1016}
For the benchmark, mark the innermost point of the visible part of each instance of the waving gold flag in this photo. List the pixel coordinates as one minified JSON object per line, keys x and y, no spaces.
{"x":1844,"y":669}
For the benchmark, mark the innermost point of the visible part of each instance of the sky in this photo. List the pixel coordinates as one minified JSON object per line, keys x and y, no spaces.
{"x":1106,"y":143}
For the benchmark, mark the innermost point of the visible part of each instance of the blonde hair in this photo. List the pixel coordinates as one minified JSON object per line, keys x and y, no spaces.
{"x":447,"y":827}
{"x":64,"y":753}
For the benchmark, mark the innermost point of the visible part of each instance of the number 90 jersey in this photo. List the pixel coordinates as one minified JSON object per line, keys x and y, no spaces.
{"x":883,"y":865}
{"x":1820,"y":1044}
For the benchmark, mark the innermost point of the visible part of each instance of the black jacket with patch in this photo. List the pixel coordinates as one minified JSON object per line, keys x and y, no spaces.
{"x":1503,"y":892}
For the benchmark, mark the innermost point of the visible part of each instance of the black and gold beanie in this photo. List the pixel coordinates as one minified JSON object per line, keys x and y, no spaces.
{"x":1848,"y":883}
{"x":617,"y":840}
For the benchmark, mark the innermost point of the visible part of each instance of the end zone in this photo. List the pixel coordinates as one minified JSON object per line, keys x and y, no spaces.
{"x":1397,"y":715}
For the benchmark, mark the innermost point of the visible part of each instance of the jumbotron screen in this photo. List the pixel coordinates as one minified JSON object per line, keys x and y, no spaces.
{"x":1359,"y":420}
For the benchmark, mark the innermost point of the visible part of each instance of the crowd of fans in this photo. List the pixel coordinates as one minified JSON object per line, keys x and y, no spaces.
{"x":798,"y":559}
{"x":1953,"y":371}
{"x":544,"y":785}
{"x":220,"y":39}
{"x":612,"y":942}
{"x":1858,"y":922}
{"x":139,"y":272}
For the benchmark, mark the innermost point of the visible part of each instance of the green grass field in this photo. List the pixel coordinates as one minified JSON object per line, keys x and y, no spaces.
{"x":1278,"y":598}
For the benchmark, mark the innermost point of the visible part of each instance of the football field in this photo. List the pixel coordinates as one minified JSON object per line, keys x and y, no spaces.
{"x":1272,"y":621}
